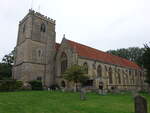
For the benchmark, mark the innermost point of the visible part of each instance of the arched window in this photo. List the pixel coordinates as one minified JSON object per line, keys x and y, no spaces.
{"x":63,"y":84}
{"x":132,"y":73}
{"x":43,"y":28}
{"x":39,"y":78}
{"x":124,"y":77}
{"x":119,"y":78}
{"x":63,"y":62}
{"x":110,"y":76}
{"x":140,"y":75}
{"x":99,"y":71}
{"x":86,"y":67}
{"x":127,"y":79}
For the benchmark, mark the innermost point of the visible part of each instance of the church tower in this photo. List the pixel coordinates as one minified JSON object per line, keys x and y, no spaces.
{"x":35,"y":49}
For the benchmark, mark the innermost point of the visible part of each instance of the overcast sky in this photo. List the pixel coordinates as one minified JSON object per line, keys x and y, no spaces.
{"x":102,"y":24}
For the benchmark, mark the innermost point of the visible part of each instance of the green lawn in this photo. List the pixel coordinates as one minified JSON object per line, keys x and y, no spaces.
{"x":63,"y":102}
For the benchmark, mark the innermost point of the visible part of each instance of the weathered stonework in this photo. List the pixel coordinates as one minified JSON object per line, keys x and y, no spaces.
{"x":36,"y":55}
{"x":35,"y":50}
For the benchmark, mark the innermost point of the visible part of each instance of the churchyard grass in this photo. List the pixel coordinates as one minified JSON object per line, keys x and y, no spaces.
{"x":65,"y":102}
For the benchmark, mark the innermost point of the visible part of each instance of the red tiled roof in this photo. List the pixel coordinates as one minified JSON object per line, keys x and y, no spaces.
{"x":57,"y":46}
{"x":95,"y":54}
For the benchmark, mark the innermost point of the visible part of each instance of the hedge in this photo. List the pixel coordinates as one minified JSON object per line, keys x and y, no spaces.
{"x":10,"y":85}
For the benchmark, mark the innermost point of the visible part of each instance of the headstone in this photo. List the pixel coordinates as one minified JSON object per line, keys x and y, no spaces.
{"x":100,"y":91}
{"x":104,"y":91}
{"x":140,"y":104}
{"x":82,"y":94}
{"x":134,"y":93}
{"x":63,"y":89}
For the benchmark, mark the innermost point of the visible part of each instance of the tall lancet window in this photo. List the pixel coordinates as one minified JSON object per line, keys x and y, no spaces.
{"x":110,"y":76}
{"x":119,"y":77}
{"x":63,"y":62}
{"x":99,"y":71}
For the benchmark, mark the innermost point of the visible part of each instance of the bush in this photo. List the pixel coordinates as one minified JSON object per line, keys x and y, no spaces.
{"x":19,"y":85}
{"x":36,"y":85}
{"x":10,"y":85}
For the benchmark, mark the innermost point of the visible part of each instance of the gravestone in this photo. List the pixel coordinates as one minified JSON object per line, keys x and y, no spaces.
{"x":82,"y":94}
{"x":140,"y":104}
{"x":134,"y":93}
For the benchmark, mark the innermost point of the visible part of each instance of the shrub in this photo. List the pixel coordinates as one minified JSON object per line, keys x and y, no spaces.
{"x":19,"y":85}
{"x":10,"y":85}
{"x":36,"y":85}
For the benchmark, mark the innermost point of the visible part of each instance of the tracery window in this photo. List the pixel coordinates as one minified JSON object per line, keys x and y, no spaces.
{"x":63,"y":62}
{"x":99,"y":71}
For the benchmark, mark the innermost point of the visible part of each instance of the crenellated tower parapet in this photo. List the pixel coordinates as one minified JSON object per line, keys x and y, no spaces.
{"x":43,"y":17}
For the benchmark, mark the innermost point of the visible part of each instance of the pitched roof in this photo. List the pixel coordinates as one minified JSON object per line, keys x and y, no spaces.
{"x":95,"y":54}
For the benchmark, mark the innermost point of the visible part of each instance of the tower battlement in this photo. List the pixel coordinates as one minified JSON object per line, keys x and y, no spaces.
{"x":32,"y":12}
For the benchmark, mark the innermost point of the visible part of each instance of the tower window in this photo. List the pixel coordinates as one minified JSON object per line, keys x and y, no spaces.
{"x":43,"y":28}
{"x":24,"y":28}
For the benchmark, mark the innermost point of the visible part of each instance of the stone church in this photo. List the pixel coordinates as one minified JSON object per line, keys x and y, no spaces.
{"x":39,"y":57}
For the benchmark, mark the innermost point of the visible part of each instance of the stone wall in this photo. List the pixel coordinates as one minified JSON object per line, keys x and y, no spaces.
{"x":128,"y":80}
{"x":27,"y":72}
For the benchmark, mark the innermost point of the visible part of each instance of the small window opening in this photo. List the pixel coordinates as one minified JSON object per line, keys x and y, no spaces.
{"x":24,"y":28}
{"x":43,"y":28}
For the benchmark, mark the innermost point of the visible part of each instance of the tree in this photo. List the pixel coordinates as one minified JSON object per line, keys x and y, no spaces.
{"x":6,"y":66}
{"x":5,"y":71}
{"x":9,"y":58}
{"x":76,"y":74}
{"x":146,"y":62}
{"x":132,"y":53}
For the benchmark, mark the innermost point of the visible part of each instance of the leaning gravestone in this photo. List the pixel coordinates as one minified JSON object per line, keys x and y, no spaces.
{"x":140,"y":104}
{"x":82,"y":94}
